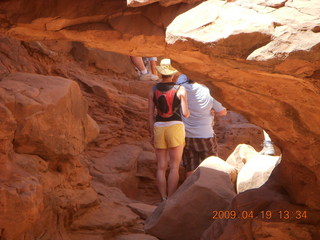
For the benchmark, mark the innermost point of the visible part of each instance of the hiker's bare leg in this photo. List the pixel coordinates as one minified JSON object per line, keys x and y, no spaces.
{"x":162,"y":160}
{"x":153,"y":67}
{"x":175,"y":155}
{"x":138,"y":62}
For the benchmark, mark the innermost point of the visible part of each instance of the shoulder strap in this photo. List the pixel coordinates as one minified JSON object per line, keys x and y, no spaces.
{"x":176,"y":87}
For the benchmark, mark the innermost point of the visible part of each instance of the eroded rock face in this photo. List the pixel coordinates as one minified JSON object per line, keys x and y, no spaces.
{"x":41,"y":120}
{"x":7,"y":126}
{"x":234,"y":129}
{"x":139,"y":3}
{"x":118,"y":168}
{"x":51,"y":114}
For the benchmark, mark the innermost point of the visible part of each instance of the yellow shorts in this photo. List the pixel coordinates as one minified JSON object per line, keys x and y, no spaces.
{"x":169,"y":136}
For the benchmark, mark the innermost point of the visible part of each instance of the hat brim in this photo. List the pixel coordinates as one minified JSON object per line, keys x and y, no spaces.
{"x":166,"y":70}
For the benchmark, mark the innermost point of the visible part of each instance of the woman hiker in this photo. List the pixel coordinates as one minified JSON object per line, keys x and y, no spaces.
{"x":167,"y":129}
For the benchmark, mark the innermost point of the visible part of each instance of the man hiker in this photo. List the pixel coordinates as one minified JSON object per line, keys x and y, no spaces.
{"x":200,"y":137}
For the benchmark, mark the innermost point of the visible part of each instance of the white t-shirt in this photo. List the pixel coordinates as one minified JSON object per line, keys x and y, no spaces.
{"x":200,"y":122}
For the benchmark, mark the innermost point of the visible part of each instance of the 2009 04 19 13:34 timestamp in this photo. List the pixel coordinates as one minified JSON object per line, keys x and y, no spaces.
{"x":282,"y":214}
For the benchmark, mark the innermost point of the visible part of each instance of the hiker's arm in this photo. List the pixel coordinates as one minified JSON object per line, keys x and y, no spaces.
{"x":218,"y":109}
{"x":222,"y":113}
{"x":182,"y":95}
{"x":151,"y":114}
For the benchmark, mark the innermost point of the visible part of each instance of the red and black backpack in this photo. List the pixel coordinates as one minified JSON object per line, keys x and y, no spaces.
{"x":164,"y":101}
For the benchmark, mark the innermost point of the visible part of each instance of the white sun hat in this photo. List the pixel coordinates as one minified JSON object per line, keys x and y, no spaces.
{"x":165,"y":67}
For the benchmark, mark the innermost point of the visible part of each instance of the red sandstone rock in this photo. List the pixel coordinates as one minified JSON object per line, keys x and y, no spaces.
{"x":52,"y":115}
{"x":21,"y":200}
{"x":147,"y":165}
{"x":268,"y":230}
{"x":108,"y":216}
{"x":138,"y":3}
{"x":143,"y":210}
{"x":233,"y":130}
{"x":118,"y":168}
{"x":136,"y":236}
{"x":7,"y":126}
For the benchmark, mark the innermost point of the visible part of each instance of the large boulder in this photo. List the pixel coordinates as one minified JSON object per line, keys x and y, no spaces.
{"x":208,"y":189}
{"x":51,"y":113}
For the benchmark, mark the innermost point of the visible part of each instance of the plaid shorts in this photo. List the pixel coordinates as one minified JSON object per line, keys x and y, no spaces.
{"x":196,"y":150}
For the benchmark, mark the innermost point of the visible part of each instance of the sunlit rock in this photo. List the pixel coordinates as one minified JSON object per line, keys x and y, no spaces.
{"x":256,"y":172}
{"x":241,"y":155}
{"x":138,"y":3}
